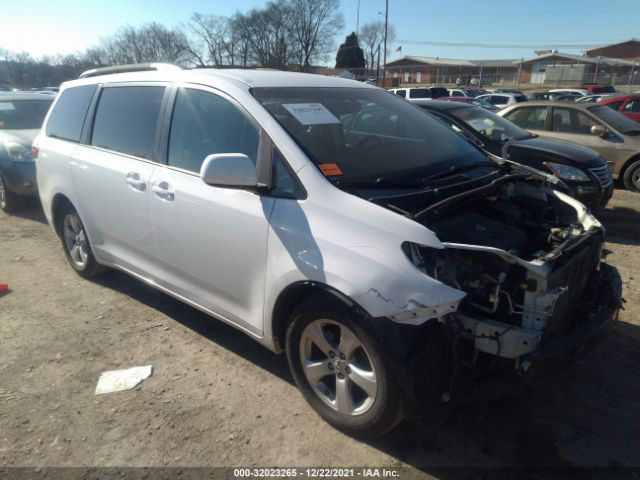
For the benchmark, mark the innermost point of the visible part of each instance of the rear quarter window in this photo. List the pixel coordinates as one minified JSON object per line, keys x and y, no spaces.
{"x":69,"y":112}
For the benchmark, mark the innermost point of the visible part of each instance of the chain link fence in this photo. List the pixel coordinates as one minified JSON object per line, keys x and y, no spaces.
{"x":526,"y":76}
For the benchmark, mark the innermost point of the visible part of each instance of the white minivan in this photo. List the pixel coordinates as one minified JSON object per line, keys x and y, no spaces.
{"x":387,"y":255}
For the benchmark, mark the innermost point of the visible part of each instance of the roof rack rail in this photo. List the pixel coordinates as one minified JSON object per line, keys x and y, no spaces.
{"x":134,"y":67}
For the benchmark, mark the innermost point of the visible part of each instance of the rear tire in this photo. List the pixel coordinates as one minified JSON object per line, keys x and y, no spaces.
{"x":631,"y":177}
{"x":75,"y":243}
{"x":341,"y":369}
{"x":9,"y":201}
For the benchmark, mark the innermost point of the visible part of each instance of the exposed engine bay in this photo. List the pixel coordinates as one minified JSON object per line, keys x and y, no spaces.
{"x":524,"y":255}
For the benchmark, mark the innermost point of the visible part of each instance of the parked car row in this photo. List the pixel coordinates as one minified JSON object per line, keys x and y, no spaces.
{"x":612,"y":135}
{"x":583,"y":170}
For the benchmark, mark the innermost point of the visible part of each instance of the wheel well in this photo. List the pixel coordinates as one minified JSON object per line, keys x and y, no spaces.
{"x":59,"y":202}
{"x":623,"y":170}
{"x":292,"y":296}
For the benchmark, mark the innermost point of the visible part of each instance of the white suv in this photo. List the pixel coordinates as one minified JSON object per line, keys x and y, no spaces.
{"x":385,"y":253}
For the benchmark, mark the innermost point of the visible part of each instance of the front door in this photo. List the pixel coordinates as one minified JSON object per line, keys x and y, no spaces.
{"x":211,"y":242}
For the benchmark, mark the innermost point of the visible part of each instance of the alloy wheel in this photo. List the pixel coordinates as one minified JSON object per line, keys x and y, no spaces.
{"x":75,"y":240}
{"x":338,"y":367}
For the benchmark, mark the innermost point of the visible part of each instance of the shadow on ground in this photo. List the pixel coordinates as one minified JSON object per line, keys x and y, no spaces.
{"x":585,"y":415}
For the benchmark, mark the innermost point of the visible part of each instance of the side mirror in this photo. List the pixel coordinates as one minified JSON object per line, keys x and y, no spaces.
{"x":229,"y":170}
{"x":599,"y":130}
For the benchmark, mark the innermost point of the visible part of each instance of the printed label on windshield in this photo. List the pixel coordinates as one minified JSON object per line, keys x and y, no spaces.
{"x":330,"y":169}
{"x":311,"y":113}
{"x":5,"y":106}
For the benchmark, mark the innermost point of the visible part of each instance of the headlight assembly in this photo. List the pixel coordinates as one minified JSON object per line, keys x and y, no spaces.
{"x":566,"y":172}
{"x":18,"y":153}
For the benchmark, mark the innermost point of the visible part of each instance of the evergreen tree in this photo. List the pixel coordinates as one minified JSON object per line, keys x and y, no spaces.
{"x":350,"y":55}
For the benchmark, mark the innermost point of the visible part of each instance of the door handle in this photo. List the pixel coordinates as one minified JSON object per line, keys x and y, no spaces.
{"x":163,"y":190}
{"x":134,"y":180}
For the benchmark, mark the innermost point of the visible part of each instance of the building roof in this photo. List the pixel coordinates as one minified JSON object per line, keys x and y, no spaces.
{"x":628,"y":40}
{"x":614,"y":62}
{"x":433,"y":61}
{"x":509,"y":62}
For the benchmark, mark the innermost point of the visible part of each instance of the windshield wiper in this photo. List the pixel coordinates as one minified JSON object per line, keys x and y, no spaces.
{"x":462,"y":168}
{"x":382,"y":182}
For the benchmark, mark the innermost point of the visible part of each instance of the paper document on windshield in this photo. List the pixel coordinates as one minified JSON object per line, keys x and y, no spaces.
{"x":311,"y":113}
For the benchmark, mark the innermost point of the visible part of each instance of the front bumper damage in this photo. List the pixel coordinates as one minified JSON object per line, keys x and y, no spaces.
{"x":604,"y":308}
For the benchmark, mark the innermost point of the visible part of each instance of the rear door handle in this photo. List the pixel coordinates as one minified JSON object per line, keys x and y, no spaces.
{"x":164,"y":191}
{"x":135,"y":182}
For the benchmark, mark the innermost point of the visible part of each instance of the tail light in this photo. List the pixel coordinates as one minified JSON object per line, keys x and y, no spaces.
{"x":35,"y":150}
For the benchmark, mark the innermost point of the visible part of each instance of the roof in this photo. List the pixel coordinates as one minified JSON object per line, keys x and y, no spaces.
{"x":628,"y":40}
{"x":248,"y":77}
{"x":582,"y":59}
{"x":509,"y":62}
{"x":551,"y":103}
{"x":432,"y":61}
{"x":10,"y":96}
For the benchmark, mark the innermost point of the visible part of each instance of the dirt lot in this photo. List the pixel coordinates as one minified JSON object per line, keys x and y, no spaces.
{"x":216,"y":398}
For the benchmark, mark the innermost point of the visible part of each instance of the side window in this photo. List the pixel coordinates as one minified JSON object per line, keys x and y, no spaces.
{"x":571,"y":121}
{"x":203,"y":124}
{"x":615,"y":105}
{"x":529,"y":118}
{"x":633,"y":106}
{"x":285,"y":183}
{"x":68,"y":115}
{"x":126,"y":119}
{"x":401,"y":93}
{"x":499,"y":100}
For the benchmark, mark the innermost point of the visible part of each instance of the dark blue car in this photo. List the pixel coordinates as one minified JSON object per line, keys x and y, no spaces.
{"x":21,"y":116}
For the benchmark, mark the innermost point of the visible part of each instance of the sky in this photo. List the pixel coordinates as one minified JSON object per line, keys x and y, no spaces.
{"x":464,"y":29}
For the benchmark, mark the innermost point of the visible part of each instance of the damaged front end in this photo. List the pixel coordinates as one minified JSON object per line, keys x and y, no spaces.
{"x":529,"y":260}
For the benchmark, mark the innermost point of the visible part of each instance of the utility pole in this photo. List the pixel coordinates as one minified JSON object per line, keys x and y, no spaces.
{"x":358,"y":19}
{"x":384,"y":54}
{"x":378,"y":66}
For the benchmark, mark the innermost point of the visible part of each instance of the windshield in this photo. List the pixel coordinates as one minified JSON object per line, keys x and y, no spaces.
{"x":358,"y":133}
{"x":615,"y":119}
{"x":489,"y":125}
{"x":420,"y":93}
{"x":22,"y":114}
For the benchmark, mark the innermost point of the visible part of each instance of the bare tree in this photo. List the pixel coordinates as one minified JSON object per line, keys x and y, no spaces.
{"x":372,"y":37}
{"x":152,"y":42}
{"x":314,"y":25}
{"x":19,"y":68}
{"x":268,"y":34}
{"x":211,"y":34}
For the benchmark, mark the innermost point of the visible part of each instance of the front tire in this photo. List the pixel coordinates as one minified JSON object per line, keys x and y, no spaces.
{"x":631,"y":177}
{"x":75,"y":243}
{"x":9,"y":201}
{"x":341,"y":370}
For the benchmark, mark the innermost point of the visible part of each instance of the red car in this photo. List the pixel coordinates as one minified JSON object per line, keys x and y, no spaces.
{"x":594,"y":88}
{"x":628,"y":105}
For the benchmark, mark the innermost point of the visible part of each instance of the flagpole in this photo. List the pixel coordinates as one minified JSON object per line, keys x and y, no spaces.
{"x":384,"y":61}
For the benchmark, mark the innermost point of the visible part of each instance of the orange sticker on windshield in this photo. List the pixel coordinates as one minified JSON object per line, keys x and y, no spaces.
{"x":330,"y":169}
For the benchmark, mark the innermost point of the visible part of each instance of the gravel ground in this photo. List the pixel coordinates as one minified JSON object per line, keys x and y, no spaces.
{"x":217,"y":398}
